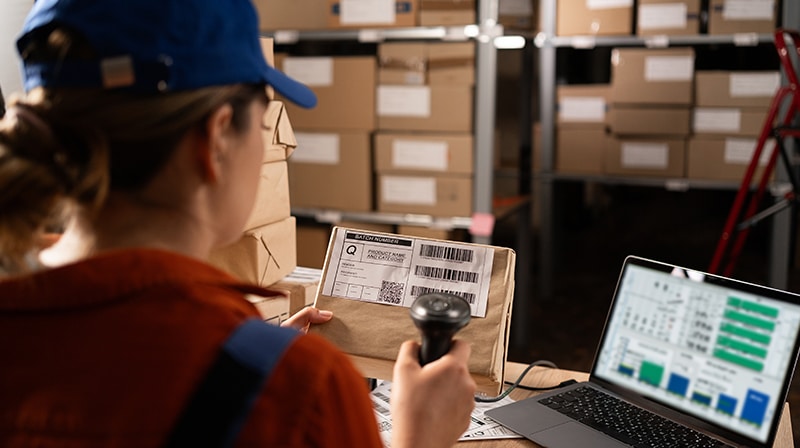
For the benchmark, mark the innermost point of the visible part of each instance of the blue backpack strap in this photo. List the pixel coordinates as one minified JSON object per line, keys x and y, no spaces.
{"x":220,"y":405}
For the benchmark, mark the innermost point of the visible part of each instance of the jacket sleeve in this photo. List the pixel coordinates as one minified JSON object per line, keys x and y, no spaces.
{"x":314,"y":398}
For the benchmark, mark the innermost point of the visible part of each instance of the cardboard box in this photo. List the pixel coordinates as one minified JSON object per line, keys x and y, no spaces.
{"x":300,"y":286}
{"x":594,"y":17}
{"x":274,"y":309}
{"x":332,"y":171}
{"x":312,"y":242}
{"x":433,"y":233}
{"x":439,"y":195}
{"x":277,"y":133}
{"x":580,"y":151}
{"x":451,"y":63}
{"x":652,"y":76}
{"x":725,"y":121}
{"x":425,"y":108}
{"x":720,"y":158}
{"x":448,"y":63}
{"x":668,"y":17}
{"x":646,"y":157}
{"x":272,"y":198}
{"x":261,"y":256}
{"x":424,"y":153}
{"x":370,"y":226}
{"x":637,"y":120}
{"x":519,"y":15}
{"x":404,"y":63}
{"x":736,"y":89}
{"x":582,"y":105}
{"x":292,"y":14}
{"x":372,"y":14}
{"x":447,"y":12}
{"x":742,"y":16}
{"x":371,"y":330}
{"x":345,"y":89}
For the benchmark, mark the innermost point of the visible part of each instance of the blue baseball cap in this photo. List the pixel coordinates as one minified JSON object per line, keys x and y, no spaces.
{"x":154,"y":46}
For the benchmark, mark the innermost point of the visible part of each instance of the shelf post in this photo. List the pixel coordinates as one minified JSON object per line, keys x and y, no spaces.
{"x":485,"y":86}
{"x":547,"y":82}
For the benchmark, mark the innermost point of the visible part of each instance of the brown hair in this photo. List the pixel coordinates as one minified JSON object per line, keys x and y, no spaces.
{"x":71,"y":146}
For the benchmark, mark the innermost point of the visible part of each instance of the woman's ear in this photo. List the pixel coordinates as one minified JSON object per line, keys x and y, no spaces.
{"x":213,"y":146}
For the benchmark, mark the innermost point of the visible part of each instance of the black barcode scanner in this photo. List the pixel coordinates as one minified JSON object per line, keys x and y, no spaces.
{"x":438,"y":316}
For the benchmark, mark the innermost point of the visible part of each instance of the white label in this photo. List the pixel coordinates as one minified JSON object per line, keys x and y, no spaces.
{"x":515,"y":7}
{"x":313,"y":72}
{"x":645,"y":155}
{"x":316,"y":148}
{"x":364,"y":12}
{"x":408,"y":190}
{"x":668,"y":68}
{"x":663,"y":16}
{"x":608,"y":4}
{"x":583,"y":109}
{"x":739,"y":151}
{"x":717,"y":120}
{"x":404,"y":101}
{"x":748,"y":10}
{"x":422,"y":155}
{"x":394,"y":269}
{"x":754,"y":84}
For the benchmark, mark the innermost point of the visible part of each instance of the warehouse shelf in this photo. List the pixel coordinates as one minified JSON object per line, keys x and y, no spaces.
{"x":367,"y":35}
{"x":334,"y":216}
{"x":546,"y":44}
{"x":483,"y":33}
{"x":542,"y":40}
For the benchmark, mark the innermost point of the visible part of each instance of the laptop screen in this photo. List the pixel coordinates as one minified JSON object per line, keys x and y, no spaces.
{"x":718,"y":349}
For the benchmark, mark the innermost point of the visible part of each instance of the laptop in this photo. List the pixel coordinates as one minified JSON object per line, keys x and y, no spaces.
{"x":686,"y":359}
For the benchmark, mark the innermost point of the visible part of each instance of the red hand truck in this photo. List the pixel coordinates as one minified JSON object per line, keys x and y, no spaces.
{"x":780,"y":124}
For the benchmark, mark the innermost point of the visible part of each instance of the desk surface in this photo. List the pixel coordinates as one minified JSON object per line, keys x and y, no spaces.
{"x":541,"y":376}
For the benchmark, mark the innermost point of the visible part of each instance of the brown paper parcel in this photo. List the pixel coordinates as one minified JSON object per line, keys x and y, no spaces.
{"x":372,"y":333}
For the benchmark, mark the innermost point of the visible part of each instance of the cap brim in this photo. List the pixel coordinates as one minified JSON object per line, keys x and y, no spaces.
{"x":292,"y":90}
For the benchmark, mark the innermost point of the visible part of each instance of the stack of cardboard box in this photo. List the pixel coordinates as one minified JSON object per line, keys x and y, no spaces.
{"x":266,"y":254}
{"x":730,"y":110}
{"x":336,"y":14}
{"x":651,"y":95}
{"x":665,"y":17}
{"x":581,"y":119}
{"x":424,"y":144}
{"x":332,"y":167}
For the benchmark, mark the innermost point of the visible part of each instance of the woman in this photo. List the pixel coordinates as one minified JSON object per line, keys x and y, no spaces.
{"x":141,"y":130}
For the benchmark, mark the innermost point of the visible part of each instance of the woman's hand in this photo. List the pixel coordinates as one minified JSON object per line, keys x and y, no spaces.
{"x":307,"y":316}
{"x":431,"y":405}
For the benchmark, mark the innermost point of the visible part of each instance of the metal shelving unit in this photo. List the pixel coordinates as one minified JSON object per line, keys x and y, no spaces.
{"x":547,"y":43}
{"x":483,"y":33}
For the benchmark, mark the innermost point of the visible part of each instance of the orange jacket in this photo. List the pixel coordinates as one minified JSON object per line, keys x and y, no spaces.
{"x":106,"y":352}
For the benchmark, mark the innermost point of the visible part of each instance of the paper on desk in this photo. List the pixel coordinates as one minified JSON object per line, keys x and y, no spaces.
{"x":480,"y":426}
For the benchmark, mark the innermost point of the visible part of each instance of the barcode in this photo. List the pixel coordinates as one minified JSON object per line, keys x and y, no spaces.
{"x":446,"y":253}
{"x":420,"y":290}
{"x":378,"y":406}
{"x":391,"y":292}
{"x":446,"y":274}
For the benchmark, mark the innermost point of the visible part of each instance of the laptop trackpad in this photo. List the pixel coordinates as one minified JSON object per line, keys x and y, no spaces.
{"x":573,"y":434}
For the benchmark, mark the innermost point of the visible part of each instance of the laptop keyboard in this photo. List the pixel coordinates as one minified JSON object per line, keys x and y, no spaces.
{"x":625,"y":422}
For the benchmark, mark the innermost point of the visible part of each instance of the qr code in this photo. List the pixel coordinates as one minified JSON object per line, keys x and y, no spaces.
{"x":391,"y":292}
